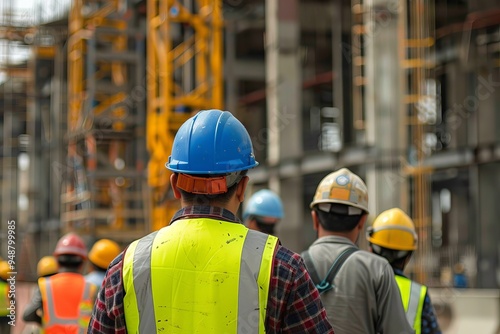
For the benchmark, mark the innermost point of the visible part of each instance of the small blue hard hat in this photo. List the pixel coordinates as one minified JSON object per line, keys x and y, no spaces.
{"x":211,"y":142}
{"x":264,"y":203}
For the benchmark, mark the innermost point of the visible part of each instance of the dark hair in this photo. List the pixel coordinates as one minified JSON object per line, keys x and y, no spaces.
{"x":400,"y":263}
{"x":202,"y":199}
{"x":335,"y":222}
{"x":396,"y":258}
{"x":262,"y":225}
{"x":69,"y":261}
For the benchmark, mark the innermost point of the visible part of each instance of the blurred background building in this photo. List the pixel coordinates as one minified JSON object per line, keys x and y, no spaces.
{"x":404,"y":93}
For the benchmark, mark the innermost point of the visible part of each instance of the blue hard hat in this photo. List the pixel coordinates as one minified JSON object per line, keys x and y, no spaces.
{"x":211,"y":142}
{"x":264,"y":203}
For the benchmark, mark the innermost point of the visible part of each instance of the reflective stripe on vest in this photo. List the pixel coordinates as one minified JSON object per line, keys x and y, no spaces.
{"x":413,"y":296}
{"x":4,"y":299}
{"x":67,"y":302}
{"x":204,"y":276}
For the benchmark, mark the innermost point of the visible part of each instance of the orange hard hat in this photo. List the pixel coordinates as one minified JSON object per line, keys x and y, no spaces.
{"x":103,"y":252}
{"x":71,"y":244}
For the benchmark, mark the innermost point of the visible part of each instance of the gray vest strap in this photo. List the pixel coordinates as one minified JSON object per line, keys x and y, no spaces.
{"x":413,"y":303}
{"x":142,"y":284}
{"x":248,"y":301}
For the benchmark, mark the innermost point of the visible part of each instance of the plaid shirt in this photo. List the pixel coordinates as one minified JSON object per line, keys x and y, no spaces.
{"x":293,"y":306}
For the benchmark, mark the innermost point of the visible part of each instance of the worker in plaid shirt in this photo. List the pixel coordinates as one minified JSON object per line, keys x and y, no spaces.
{"x":206,"y":272}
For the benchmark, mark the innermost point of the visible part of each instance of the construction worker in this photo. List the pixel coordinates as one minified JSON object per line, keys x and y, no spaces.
{"x":263,"y":211}
{"x":62,"y":302}
{"x":4,"y":297}
{"x":47,"y":266}
{"x":100,"y":256}
{"x":393,"y":237}
{"x":358,"y":288}
{"x":206,"y":272}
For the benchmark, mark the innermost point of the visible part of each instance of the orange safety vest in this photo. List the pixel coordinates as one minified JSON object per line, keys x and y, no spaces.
{"x":67,"y":303}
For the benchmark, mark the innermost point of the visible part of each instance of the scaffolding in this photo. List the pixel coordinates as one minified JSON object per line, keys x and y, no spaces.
{"x":405,"y":28}
{"x":15,"y":84}
{"x":108,"y":83}
{"x":417,"y":52}
{"x":104,"y":192}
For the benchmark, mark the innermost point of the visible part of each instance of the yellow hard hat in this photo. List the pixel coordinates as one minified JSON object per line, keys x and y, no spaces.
{"x":393,"y":229}
{"x":47,"y":266}
{"x":342,"y":187}
{"x":4,"y":269}
{"x":103,"y":252}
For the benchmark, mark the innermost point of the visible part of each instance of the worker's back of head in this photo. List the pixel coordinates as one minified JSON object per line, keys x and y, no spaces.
{"x":340,"y":201}
{"x":210,"y":155}
{"x":393,"y":236}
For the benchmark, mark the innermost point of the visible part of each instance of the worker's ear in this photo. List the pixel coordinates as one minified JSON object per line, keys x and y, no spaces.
{"x":173,"y":183}
{"x":252,"y":224}
{"x":240,"y":190}
{"x":315,"y":219}
{"x":362,"y":222}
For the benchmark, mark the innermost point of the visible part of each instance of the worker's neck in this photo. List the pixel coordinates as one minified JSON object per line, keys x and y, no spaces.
{"x":230,"y":206}
{"x":69,"y":270}
{"x":351,"y":235}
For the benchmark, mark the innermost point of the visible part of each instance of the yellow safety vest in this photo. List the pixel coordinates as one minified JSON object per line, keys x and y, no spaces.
{"x":413,"y":296}
{"x":198,"y":276}
{"x":4,"y":299}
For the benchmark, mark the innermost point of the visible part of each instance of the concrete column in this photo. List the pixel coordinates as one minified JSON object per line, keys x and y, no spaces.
{"x":386,"y":127}
{"x":488,"y":248}
{"x":284,"y":119}
{"x":338,"y":65}
{"x":231,"y":86}
{"x":8,"y":177}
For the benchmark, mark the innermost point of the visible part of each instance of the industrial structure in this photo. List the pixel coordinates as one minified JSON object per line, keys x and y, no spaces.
{"x":404,"y":93}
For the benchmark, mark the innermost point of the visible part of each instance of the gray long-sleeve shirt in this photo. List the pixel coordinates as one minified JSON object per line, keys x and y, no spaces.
{"x":30,"y":314}
{"x":366,"y":298}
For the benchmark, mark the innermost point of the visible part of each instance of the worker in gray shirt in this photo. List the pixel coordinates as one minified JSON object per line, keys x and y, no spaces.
{"x":357,"y":288}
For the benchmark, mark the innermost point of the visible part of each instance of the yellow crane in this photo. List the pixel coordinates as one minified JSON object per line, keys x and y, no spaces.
{"x":170,"y":101}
